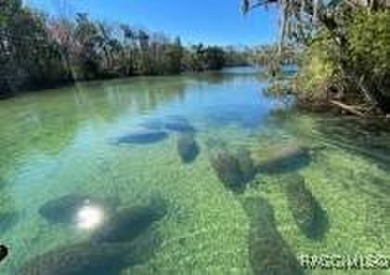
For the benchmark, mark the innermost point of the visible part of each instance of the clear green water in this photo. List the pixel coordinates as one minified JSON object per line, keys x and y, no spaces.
{"x":59,"y":142}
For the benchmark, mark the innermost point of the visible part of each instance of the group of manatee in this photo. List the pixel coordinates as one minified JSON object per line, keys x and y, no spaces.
{"x":125,"y":238}
{"x":268,"y":252}
{"x":236,"y":168}
{"x":155,"y":130}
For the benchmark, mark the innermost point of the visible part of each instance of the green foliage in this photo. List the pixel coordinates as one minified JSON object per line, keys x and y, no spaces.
{"x":37,"y":51}
{"x":199,"y":58}
{"x":358,"y":32}
{"x":317,"y":69}
{"x":369,"y":39}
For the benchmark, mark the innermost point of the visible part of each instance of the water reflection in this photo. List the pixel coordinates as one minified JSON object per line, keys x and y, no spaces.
{"x":48,"y":122}
{"x":89,"y":217}
{"x":108,"y":227}
{"x":79,"y":209}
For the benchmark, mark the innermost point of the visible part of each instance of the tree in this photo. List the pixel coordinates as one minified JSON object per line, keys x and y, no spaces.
{"x":303,"y":22}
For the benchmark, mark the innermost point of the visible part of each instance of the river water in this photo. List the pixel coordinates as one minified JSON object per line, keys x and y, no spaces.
{"x":186,"y":175}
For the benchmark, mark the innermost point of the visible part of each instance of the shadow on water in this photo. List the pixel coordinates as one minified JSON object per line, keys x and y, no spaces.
{"x":268,"y":252}
{"x":187,"y":147}
{"x":308,"y":214}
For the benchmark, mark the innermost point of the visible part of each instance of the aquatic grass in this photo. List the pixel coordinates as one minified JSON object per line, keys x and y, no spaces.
{"x":205,"y":228}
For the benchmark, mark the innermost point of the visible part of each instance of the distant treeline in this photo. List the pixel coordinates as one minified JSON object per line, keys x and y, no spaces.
{"x":37,"y":51}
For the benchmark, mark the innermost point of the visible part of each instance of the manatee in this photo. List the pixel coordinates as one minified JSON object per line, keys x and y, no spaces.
{"x":308,"y":214}
{"x":86,"y":258}
{"x":142,"y":137}
{"x":178,"y":124}
{"x":63,"y":210}
{"x":187,"y":147}
{"x":153,"y":124}
{"x":127,"y":224}
{"x":247,"y":166}
{"x":268,"y":252}
{"x":284,"y":159}
{"x":234,"y":170}
{"x":8,"y":220}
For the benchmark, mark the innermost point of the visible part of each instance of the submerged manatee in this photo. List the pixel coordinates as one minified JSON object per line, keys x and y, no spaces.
{"x":129,"y":223}
{"x":178,"y":124}
{"x":8,"y":220}
{"x":247,"y":166}
{"x":63,"y":210}
{"x":187,"y":147}
{"x":170,"y":123}
{"x":86,"y":258}
{"x":284,"y":159}
{"x":234,"y":170}
{"x":153,"y":124}
{"x":142,"y":137}
{"x":268,"y":252}
{"x":310,"y":217}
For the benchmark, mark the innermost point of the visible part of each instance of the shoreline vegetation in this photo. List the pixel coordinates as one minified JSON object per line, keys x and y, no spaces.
{"x":338,"y":53}
{"x":341,"y":49}
{"x":39,"y":52}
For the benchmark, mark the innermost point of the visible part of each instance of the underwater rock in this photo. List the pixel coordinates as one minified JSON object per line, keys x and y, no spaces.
{"x":268,"y":252}
{"x":97,"y":259}
{"x":63,"y":210}
{"x":129,"y":223}
{"x":308,"y":214}
{"x":187,"y":147}
{"x":8,"y":220}
{"x":234,"y":170}
{"x":285,"y":159}
{"x":142,"y":137}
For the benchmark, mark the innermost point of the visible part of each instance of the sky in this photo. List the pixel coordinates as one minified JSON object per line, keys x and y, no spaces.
{"x":215,"y":22}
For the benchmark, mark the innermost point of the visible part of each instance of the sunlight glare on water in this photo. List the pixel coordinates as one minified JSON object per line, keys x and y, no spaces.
{"x":89,"y":217}
{"x":185,"y":173}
